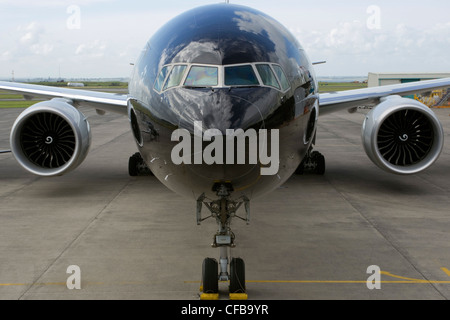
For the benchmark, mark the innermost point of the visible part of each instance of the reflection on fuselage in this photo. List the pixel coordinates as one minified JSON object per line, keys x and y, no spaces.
{"x":231,"y":68}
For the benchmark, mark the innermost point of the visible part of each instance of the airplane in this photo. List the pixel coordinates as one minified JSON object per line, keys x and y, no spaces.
{"x":213,"y":91}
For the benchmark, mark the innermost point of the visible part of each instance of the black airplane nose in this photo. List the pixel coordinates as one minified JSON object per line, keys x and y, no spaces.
{"x":223,"y":112}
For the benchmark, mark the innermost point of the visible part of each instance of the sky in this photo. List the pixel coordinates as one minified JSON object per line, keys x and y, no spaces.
{"x":100,"y":38}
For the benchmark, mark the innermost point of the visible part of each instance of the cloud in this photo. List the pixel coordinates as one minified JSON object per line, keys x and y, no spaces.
{"x":30,"y":33}
{"x":42,"y":49}
{"x":398,"y":48}
{"x":5,"y":55}
{"x":410,"y":40}
{"x":31,"y":41}
{"x":95,"y":49}
{"x":50,"y":3}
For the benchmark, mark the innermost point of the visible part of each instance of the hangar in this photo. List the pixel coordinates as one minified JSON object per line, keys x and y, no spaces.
{"x":438,"y":98}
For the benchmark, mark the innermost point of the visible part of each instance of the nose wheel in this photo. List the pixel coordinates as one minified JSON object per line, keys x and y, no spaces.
{"x":210,"y":279}
{"x":237,"y":276}
{"x":210,"y":276}
{"x":226,"y":268}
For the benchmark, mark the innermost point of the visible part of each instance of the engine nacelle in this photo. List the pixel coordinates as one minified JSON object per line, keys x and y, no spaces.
{"x":50,"y":138}
{"x":402,"y":135}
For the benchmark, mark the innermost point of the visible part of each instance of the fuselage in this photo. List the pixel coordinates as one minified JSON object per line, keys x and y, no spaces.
{"x":223,"y":68}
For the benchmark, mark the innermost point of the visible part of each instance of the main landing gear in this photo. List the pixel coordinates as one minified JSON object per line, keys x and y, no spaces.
{"x":314,"y":162}
{"x":137,"y":166}
{"x":226,"y":269}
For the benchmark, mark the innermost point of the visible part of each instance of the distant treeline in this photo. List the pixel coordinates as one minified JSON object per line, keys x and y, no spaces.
{"x":115,"y":84}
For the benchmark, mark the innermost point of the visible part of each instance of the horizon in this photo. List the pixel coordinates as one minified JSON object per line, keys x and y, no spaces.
{"x":126,"y":79}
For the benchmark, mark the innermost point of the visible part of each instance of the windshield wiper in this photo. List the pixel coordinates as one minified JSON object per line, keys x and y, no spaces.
{"x":245,"y":86}
{"x":196,"y":87}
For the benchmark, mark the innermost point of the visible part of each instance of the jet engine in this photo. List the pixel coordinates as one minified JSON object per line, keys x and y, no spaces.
{"x":50,"y":138}
{"x":402,"y":136}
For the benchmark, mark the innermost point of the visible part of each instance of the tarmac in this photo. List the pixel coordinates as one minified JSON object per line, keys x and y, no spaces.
{"x":313,"y":238}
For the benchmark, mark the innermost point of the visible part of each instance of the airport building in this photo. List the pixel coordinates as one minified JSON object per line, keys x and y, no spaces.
{"x":437,"y":98}
{"x":382,"y":79}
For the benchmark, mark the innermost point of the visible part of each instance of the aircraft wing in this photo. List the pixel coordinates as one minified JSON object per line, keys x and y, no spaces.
{"x":336,"y":101}
{"x":103,"y":101}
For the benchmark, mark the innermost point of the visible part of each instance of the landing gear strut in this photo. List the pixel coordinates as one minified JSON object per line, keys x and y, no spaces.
{"x":213,"y":271}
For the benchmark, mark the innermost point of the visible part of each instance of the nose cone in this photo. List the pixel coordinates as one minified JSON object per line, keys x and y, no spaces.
{"x":223,"y":109}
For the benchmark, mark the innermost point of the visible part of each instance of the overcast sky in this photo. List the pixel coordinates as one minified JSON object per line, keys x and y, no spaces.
{"x":99,"y":38}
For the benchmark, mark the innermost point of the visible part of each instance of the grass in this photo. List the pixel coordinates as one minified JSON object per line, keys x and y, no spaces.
{"x":87,"y":84}
{"x":340,"y":86}
{"x":17,"y":104}
{"x":10,"y":96}
{"x":20,"y":102}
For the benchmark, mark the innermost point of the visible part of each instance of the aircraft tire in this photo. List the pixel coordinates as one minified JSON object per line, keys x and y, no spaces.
{"x":237,"y":276}
{"x":210,"y":276}
{"x":133,"y":166}
{"x":320,"y":161}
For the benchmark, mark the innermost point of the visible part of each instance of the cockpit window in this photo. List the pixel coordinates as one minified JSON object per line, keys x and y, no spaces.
{"x":175,"y":77}
{"x":263,"y":74}
{"x":267,"y":75}
{"x":202,"y":76}
{"x":161,"y":77}
{"x":280,"y":74}
{"x":240,"y":76}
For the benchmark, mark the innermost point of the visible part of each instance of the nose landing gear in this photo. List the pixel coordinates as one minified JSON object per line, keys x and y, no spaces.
{"x":213,"y":271}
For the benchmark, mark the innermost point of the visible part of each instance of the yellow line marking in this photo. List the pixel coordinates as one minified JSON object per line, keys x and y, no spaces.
{"x":447,"y":272}
{"x":400,"y":277}
{"x":342,"y":281}
{"x":13,"y":284}
{"x":385,"y":273}
{"x":402,"y":280}
{"x":35,"y":284}
{"x":346,"y":281}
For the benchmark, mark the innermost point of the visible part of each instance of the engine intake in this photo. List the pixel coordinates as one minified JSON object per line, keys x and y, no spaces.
{"x":50,"y":138}
{"x":402,"y":136}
